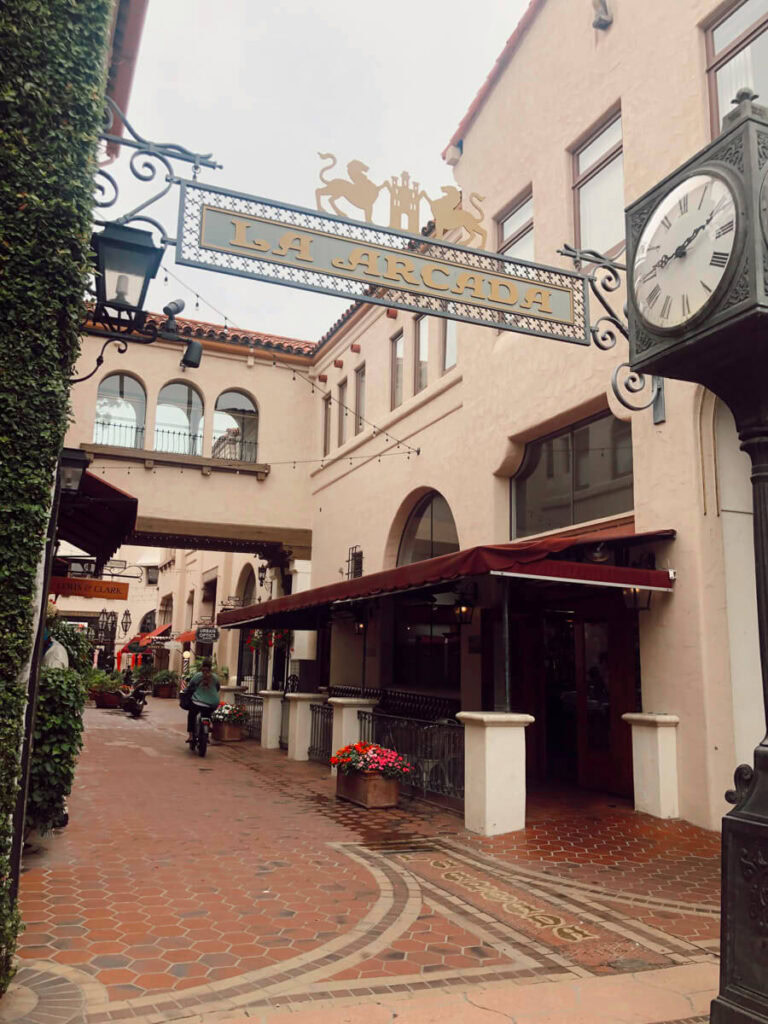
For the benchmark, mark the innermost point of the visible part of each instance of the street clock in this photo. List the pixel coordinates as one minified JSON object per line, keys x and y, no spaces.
{"x":697,"y":261}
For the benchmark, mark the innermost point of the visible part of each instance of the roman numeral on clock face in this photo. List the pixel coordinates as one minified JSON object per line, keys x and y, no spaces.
{"x":666,"y":222}
{"x":683,"y":204}
{"x":653,"y":296}
{"x":719,"y":259}
{"x":665,"y":309}
{"x":685,"y":304}
{"x":724,"y":229}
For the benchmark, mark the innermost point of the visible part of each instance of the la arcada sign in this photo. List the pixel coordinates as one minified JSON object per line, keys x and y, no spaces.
{"x":264,"y":240}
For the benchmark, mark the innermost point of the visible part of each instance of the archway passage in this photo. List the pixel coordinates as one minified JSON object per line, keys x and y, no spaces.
{"x":430,"y":531}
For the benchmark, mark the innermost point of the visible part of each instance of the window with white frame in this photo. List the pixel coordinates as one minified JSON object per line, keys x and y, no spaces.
{"x":737,"y":56}
{"x":342,"y":412}
{"x":450,"y":344}
{"x":359,"y":398}
{"x":515,"y":229}
{"x":598,"y":189}
{"x":396,"y":370}
{"x":420,"y":355}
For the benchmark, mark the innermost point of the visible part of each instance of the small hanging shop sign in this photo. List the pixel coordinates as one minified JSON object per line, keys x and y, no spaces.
{"x":263,"y":240}
{"x":105,"y":590}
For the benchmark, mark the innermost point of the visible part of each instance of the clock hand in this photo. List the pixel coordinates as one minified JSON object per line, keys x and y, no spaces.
{"x":682,"y":248}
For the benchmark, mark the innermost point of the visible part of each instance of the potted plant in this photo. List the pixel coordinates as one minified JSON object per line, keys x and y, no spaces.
{"x":103,"y":688}
{"x":229,"y":721}
{"x":369,"y":775}
{"x":165,"y":683}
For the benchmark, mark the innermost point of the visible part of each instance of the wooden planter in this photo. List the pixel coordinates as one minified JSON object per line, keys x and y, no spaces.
{"x":164,"y":690}
{"x":367,"y":789}
{"x":226,"y":732}
{"x":107,"y":700}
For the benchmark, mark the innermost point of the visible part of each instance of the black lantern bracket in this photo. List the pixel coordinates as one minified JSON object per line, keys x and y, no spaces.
{"x":604,"y":276}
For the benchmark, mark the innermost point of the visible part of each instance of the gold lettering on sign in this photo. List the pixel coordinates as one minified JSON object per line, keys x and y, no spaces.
{"x":428,"y":274}
{"x":295,"y":240}
{"x":400,"y":268}
{"x":359,"y":257}
{"x":537,"y":297}
{"x":241,"y":236}
{"x":473,"y":281}
{"x":496,"y":296}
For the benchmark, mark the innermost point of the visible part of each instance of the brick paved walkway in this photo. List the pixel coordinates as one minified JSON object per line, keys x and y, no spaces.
{"x":238,"y":888}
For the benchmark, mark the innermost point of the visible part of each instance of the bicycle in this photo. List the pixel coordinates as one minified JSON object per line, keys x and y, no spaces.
{"x":201,"y":733}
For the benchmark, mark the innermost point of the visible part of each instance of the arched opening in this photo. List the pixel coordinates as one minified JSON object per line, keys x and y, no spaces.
{"x":247,"y":658}
{"x":121,"y":406}
{"x":179,"y":420}
{"x":430,"y":531}
{"x":235,"y":427}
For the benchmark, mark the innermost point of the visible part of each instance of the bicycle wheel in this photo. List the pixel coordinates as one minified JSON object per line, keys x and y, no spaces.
{"x":202,"y":739}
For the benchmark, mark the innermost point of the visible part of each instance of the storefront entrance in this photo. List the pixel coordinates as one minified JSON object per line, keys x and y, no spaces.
{"x":580,"y":675}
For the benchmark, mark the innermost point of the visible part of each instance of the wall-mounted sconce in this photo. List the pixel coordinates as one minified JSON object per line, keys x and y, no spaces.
{"x":637,"y":599}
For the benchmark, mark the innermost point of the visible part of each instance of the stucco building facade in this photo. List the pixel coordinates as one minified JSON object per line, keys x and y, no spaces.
{"x":410,"y":438}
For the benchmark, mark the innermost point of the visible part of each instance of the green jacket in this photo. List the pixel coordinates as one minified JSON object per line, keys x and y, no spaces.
{"x":208,"y":695}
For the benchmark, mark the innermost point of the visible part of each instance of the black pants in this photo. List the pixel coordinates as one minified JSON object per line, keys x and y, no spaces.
{"x":194,"y":711}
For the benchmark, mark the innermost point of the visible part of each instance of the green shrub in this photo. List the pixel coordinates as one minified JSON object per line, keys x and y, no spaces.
{"x":97,"y":681}
{"x":58,"y":738}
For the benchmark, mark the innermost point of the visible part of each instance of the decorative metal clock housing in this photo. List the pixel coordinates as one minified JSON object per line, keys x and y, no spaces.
{"x":697,"y":258}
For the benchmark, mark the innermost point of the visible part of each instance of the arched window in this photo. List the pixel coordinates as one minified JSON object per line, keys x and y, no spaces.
{"x":429,"y":532}
{"x":249,"y":587}
{"x":235,"y":427}
{"x":179,"y":420}
{"x":121,"y":406}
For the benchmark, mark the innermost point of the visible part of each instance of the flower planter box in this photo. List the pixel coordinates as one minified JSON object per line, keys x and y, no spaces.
{"x":226,"y":732}
{"x":164,"y":690}
{"x":107,"y":700}
{"x":367,"y":789}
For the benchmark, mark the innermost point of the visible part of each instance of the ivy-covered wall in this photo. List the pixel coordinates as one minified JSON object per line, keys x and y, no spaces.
{"x":52,"y":79}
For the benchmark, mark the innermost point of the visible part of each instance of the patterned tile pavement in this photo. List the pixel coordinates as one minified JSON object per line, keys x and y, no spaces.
{"x":239,"y":885}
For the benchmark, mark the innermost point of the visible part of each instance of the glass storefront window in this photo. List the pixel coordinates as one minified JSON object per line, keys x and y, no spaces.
{"x":429,"y":532}
{"x":581,"y":474}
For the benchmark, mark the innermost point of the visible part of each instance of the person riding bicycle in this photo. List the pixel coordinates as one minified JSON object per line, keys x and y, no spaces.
{"x":205,"y":695}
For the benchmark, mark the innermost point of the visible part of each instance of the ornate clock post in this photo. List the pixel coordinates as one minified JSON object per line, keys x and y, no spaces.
{"x":698,"y":311}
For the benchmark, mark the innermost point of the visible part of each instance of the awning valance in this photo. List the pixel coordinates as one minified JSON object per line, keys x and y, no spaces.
{"x":186,"y":638}
{"x":147,"y":638}
{"x":529,"y":559}
{"x":98,"y":519}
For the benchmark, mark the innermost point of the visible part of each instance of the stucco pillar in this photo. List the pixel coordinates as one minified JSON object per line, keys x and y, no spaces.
{"x":300,"y":723}
{"x":494,"y":771}
{"x":346,"y":725}
{"x":654,"y":763}
{"x":270,"y":718}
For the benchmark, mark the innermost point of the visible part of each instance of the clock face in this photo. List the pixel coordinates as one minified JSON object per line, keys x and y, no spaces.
{"x":684,"y":251}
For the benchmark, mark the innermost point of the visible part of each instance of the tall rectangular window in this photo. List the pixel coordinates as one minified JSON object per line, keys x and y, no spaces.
{"x":326,"y":424}
{"x":359,"y":399}
{"x":396,"y":385}
{"x":515,"y":229}
{"x":598,"y":189}
{"x":342,"y":412}
{"x":575,"y":476}
{"x":420,"y":355}
{"x":737,"y":57}
{"x":450,"y":346}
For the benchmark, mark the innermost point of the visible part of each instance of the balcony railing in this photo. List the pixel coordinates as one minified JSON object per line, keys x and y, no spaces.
{"x":178,"y":442}
{"x":435,"y":750}
{"x":120,"y":435}
{"x":254,"y":707}
{"x":321,"y":732}
{"x":425,"y":707}
{"x":231,"y":446}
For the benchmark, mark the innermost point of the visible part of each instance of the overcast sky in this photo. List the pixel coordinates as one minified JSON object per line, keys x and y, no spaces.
{"x":265,"y":85}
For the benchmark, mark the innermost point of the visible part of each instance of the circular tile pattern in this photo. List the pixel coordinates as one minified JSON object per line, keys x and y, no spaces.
{"x":41,"y":997}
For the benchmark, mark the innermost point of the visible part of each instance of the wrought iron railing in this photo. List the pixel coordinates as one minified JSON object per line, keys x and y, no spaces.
{"x":321,"y":732}
{"x":228,"y":447}
{"x":425,"y":707}
{"x":285,"y":710}
{"x":254,"y":707}
{"x":354,"y":691}
{"x":435,"y":749}
{"x":120,"y":435}
{"x":179,"y":442}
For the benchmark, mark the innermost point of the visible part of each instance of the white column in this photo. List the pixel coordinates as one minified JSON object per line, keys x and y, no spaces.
{"x":270,"y":718}
{"x":346,"y":725}
{"x":654,"y":763}
{"x":494,"y":771}
{"x":300,"y":723}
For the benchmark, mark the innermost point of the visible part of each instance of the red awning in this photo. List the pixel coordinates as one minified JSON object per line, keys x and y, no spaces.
{"x":98,"y":519}
{"x":135,"y":641}
{"x":188,"y":637}
{"x":147,"y":638}
{"x":528,"y":559}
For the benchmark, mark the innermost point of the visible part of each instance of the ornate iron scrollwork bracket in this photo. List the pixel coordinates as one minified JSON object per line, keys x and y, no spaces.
{"x":604,"y":277}
{"x":148,"y":158}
